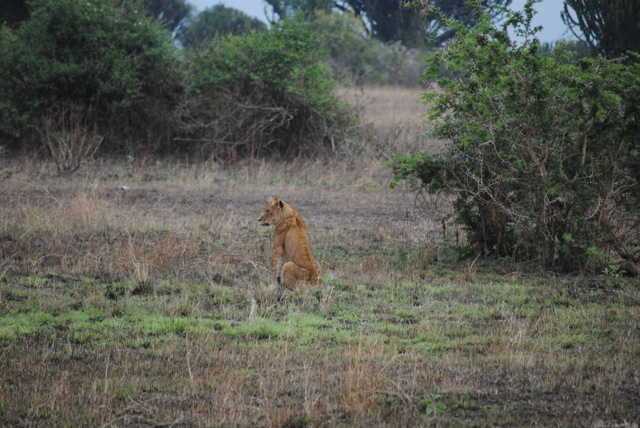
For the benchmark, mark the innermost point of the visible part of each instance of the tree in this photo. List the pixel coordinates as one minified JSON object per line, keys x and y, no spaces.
{"x":388,"y":21}
{"x":463,"y":12}
{"x":171,"y":13}
{"x":610,"y":27}
{"x":542,"y":152}
{"x":86,"y":55}
{"x":394,"y":20}
{"x":286,"y":9}
{"x":362,"y":59}
{"x":218,"y":21}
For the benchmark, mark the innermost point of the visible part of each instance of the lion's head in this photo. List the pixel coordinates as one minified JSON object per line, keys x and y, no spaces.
{"x":274,"y":212}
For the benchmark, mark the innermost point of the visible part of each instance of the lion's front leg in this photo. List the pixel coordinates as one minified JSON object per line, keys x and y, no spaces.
{"x":278,"y":262}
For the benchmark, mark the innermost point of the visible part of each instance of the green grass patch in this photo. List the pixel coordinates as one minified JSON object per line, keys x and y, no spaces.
{"x":424,"y":316}
{"x":459,"y":339}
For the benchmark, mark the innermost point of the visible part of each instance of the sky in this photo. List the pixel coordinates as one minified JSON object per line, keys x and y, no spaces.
{"x":548,"y":14}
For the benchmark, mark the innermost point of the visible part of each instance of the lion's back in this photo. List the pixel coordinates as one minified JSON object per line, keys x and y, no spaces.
{"x":297,"y":248}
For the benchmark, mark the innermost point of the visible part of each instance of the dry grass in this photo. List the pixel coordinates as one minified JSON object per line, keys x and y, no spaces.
{"x":397,"y":117}
{"x":188,"y":221}
{"x":153,"y":306}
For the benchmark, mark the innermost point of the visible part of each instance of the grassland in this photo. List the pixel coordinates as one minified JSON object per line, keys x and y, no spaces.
{"x":153,"y":306}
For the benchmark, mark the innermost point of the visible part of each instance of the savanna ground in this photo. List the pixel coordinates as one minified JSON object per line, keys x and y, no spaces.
{"x":154,"y":306}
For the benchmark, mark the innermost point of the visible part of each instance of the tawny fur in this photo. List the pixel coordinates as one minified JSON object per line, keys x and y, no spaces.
{"x":293,"y":261}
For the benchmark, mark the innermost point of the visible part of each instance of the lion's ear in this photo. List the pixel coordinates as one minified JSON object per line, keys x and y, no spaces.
{"x":281,"y":204}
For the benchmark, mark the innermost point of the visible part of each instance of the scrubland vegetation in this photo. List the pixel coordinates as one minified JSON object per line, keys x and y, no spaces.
{"x":494,"y":286}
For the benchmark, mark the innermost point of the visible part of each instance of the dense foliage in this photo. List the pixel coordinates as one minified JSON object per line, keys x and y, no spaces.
{"x":264,"y":94}
{"x":543,"y":153}
{"x":73,"y":55}
{"x":77,"y":76}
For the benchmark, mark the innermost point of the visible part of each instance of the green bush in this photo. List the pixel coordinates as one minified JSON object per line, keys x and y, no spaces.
{"x":74,"y":54}
{"x":264,"y":94}
{"x":542,"y":152}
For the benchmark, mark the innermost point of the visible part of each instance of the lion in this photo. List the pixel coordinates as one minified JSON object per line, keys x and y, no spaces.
{"x":293,"y":261}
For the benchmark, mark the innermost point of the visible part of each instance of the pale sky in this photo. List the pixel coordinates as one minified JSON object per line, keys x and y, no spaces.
{"x":548,"y":14}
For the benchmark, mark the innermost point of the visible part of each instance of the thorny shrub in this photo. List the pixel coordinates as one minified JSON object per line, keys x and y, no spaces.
{"x":542,"y":152}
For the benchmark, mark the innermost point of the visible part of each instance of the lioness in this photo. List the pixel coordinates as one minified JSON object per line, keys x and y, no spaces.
{"x":292,"y":258}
